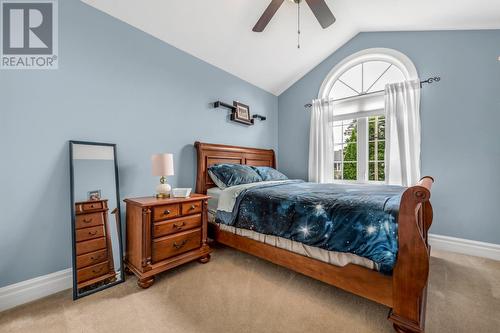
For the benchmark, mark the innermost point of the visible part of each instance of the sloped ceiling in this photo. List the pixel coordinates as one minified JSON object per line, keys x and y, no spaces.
{"x":219,"y":31}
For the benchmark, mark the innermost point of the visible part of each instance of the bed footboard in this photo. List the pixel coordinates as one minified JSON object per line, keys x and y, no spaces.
{"x":412,"y":268}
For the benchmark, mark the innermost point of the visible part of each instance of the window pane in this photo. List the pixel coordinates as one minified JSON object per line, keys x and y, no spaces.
{"x":371,"y":151}
{"x":338,"y":135}
{"x":352,"y":78}
{"x":337,"y":170}
{"x":381,"y":151}
{"x":338,"y":153}
{"x":381,"y":171}
{"x":350,"y":131}
{"x":376,"y":128}
{"x":371,"y":130}
{"x":378,"y":147}
{"x":350,"y":152}
{"x":381,"y":127}
{"x":340,"y":90}
{"x":372,"y":71}
{"x":350,"y":170}
{"x":376,"y":171}
{"x":392,"y":75}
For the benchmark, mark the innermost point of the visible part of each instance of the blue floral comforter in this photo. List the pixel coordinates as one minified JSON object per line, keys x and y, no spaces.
{"x":359,"y":219}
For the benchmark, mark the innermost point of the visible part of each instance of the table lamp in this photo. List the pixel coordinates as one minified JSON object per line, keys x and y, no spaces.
{"x":163,"y":166}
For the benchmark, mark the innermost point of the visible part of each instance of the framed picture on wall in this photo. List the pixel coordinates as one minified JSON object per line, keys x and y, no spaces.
{"x":94,"y":195}
{"x":241,"y":113}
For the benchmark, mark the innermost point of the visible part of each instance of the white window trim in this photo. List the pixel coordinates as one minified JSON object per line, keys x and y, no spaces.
{"x":394,"y":57}
{"x":367,"y":105}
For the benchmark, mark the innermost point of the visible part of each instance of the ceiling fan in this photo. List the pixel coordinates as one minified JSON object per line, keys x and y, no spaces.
{"x":319,"y":8}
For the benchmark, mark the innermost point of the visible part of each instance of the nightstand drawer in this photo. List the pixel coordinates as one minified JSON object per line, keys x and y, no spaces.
{"x":89,"y":220}
{"x":91,"y":258}
{"x":191,"y":207}
{"x":91,"y":272}
{"x":166,"y":212}
{"x":89,"y":233}
{"x":170,"y":246}
{"x":90,"y":245}
{"x":176,"y":225}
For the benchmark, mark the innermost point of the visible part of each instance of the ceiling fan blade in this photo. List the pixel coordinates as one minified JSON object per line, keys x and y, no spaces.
{"x":322,"y":12}
{"x":268,"y":15}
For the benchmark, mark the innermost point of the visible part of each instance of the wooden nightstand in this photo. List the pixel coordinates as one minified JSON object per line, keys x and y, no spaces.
{"x":165,"y":233}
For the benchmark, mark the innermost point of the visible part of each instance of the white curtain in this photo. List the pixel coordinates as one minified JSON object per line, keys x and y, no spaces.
{"x":402,"y":106}
{"x":321,"y":142}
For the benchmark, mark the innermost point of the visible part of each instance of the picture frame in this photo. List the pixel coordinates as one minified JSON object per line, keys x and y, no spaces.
{"x":94,"y":195}
{"x":241,"y":114}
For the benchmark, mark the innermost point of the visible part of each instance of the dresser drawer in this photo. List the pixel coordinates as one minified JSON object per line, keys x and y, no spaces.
{"x":191,"y":207}
{"x":89,"y":233}
{"x":90,"y":245}
{"x":166,"y":212}
{"x":92,"y":272}
{"x":170,"y":246}
{"x":177,"y":225}
{"x":91,"y":258}
{"x":89,"y":220}
{"x":90,"y":206}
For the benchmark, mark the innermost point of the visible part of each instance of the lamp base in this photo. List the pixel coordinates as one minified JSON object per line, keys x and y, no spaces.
{"x":163,"y":191}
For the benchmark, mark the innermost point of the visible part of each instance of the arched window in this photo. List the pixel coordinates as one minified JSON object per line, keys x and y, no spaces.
{"x":356,"y":88}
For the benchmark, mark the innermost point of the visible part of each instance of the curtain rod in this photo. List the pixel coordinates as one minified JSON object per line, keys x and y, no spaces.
{"x":429,"y":80}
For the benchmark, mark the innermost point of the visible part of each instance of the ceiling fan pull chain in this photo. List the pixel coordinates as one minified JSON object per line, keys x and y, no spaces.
{"x":298,"y":24}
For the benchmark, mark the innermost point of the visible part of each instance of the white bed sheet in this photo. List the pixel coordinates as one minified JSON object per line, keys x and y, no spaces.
{"x":332,"y":257}
{"x":213,"y":202}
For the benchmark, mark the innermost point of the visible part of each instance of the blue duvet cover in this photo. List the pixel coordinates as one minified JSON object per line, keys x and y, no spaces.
{"x":359,"y":219}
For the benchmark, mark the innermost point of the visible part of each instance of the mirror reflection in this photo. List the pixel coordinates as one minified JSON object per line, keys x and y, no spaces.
{"x":97,"y":256}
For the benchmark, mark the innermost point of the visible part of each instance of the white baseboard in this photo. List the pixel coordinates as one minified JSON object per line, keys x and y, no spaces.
{"x":33,"y":289}
{"x":465,"y":246}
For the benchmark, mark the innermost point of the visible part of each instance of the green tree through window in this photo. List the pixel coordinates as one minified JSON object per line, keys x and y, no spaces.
{"x":376,"y":150}
{"x":351,"y":153}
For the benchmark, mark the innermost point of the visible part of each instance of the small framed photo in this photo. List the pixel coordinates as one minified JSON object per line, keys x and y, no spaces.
{"x":94,"y":195}
{"x":241,"y":113}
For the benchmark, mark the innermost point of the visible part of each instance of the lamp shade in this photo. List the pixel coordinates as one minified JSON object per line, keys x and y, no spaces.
{"x":163,"y":164}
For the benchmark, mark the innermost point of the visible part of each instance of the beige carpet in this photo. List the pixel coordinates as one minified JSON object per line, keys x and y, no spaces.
{"x":236,"y":292}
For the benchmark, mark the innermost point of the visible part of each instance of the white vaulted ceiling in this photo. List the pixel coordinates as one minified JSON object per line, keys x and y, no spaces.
{"x":220,"y":31}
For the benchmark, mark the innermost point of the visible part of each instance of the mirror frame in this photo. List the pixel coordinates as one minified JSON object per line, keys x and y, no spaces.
{"x":77,"y":295}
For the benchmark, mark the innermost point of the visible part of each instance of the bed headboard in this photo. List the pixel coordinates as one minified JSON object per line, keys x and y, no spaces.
{"x":209,"y":154}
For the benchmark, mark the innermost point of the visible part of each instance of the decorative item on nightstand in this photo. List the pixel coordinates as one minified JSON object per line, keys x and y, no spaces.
{"x":181,"y":192}
{"x":163,"y":166}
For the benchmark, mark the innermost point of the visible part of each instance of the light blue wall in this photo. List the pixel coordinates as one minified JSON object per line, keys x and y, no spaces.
{"x":460,"y":123}
{"x":114,"y":84}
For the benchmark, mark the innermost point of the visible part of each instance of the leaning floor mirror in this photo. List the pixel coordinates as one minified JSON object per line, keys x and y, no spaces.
{"x":95,"y":216}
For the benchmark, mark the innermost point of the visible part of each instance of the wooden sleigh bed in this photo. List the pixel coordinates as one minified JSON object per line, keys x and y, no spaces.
{"x":404,"y":292}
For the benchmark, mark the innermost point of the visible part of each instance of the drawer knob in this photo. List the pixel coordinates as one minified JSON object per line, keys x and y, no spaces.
{"x":166,"y":212}
{"x":178,"y":246}
{"x":95,"y":258}
{"x":93,"y":233}
{"x":87,"y":221}
{"x":193,"y":207}
{"x":179,"y":226}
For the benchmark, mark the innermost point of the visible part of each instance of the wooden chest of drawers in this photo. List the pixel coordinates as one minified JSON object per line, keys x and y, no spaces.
{"x":165,"y":233}
{"x":94,"y":255}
